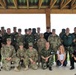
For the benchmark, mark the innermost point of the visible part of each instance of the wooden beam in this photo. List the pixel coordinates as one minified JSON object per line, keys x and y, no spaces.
{"x":52,"y":3}
{"x":73,"y":1}
{"x":64,"y":4}
{"x":48,"y":18}
{"x":2,"y":3}
{"x":73,"y":5}
{"x":15,"y":3}
{"x":37,"y":11}
{"x":27,"y":4}
{"x":40,"y":3}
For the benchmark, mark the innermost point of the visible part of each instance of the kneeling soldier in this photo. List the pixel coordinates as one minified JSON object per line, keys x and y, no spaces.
{"x":8,"y":56}
{"x":21,"y":54}
{"x":47,"y":58}
{"x":33,"y":56}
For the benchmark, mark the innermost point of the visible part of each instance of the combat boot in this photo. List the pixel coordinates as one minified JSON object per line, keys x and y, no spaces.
{"x":16,"y":69}
{"x":26,"y":68}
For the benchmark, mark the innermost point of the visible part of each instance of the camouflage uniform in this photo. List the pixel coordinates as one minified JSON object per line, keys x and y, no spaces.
{"x":34,"y":56}
{"x":40,"y":45}
{"x":21,"y":54}
{"x":6,"y":52}
{"x":19,"y":38}
{"x":45,"y":53}
{"x":54,"y":42}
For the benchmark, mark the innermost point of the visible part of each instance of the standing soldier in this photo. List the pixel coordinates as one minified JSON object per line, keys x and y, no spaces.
{"x":19,"y":38}
{"x":67,"y":41}
{"x":7,"y":35}
{"x":14,"y":34}
{"x":24,"y":38}
{"x":33,"y":56}
{"x":41,"y":45}
{"x":74,"y":42}
{"x":9,"y":55}
{"x":54,"y":41}
{"x":2,"y":31}
{"x":47,"y":33}
{"x":30,"y":36}
{"x":47,"y":58}
{"x":21,"y":54}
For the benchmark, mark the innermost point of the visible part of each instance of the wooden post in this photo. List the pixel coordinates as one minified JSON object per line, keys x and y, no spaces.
{"x":48,"y":24}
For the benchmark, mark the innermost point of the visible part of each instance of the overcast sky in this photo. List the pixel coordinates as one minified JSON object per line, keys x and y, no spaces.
{"x":58,"y":21}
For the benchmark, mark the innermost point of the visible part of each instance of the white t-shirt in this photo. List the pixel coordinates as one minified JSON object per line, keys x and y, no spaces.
{"x":61,"y":56}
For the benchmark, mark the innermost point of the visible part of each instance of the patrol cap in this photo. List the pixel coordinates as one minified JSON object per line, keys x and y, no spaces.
{"x":30,"y":44}
{"x":2,"y":27}
{"x":29,"y":29}
{"x":19,"y":30}
{"x":25,"y":30}
{"x":14,"y":27}
{"x":53,"y":29}
{"x":20,"y":44}
{"x":8,"y":39}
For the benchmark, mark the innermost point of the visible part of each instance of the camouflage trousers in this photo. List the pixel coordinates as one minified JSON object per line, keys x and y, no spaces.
{"x":49,"y":63}
{"x":33,"y":66}
{"x":69,"y":50}
{"x":24,"y":61}
{"x":7,"y":64}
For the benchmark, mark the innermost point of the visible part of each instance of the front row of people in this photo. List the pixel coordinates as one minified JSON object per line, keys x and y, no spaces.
{"x":29,"y":57}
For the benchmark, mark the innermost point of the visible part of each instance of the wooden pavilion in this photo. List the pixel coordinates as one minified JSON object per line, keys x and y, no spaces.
{"x":38,"y":7}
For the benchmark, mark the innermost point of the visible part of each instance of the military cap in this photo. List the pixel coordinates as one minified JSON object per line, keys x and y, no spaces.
{"x":25,"y":30}
{"x":19,"y":30}
{"x":29,"y":29}
{"x":2,"y":27}
{"x":14,"y":27}
{"x":20,"y":44}
{"x":30,"y":44}
{"x":8,"y":39}
{"x":53,"y":29}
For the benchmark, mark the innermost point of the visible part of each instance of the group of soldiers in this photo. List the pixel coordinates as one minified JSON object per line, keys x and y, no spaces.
{"x":33,"y":47}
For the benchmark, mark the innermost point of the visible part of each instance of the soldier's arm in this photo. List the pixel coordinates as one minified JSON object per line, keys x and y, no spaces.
{"x":14,"y":52}
{"x":36,"y":58}
{"x":18,"y":53}
{"x":3,"y":53}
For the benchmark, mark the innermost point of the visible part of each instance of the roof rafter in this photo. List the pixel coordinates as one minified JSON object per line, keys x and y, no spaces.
{"x":2,"y":3}
{"x":15,"y":3}
{"x":73,"y":5}
{"x":52,"y":3}
{"x":40,"y":3}
{"x":65,"y":3}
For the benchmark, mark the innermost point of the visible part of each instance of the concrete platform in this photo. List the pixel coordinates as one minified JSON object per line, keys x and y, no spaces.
{"x":55,"y":71}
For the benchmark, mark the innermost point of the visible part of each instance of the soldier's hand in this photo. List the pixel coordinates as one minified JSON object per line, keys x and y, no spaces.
{"x":31,"y":60}
{"x":9,"y":58}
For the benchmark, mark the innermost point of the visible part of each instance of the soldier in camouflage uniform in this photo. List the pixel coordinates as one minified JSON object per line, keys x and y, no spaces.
{"x":41,"y":45}
{"x":30,"y":37}
{"x":33,"y":56}
{"x":8,"y":56}
{"x":7,"y":35}
{"x":25,"y":39}
{"x":21,"y":54}
{"x":47,"y":58}
{"x":19,"y":38}
{"x":54,"y":41}
{"x":14,"y":34}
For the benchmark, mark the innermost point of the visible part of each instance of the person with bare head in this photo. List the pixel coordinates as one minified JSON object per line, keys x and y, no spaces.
{"x":47,"y":33}
{"x":67,"y":41}
{"x":47,"y":57}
